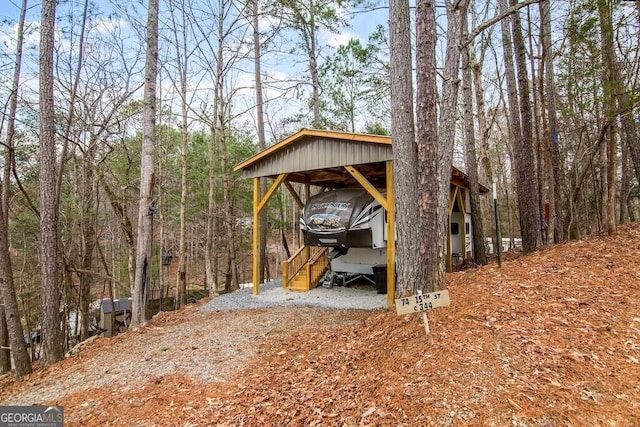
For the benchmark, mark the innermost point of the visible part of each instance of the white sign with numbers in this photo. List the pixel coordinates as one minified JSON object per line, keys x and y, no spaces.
{"x":424,"y":302}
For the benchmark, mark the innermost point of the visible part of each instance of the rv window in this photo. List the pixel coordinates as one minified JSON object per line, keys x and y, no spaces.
{"x":455,"y":228}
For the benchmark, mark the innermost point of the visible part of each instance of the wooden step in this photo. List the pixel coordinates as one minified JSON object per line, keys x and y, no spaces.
{"x":299,"y":283}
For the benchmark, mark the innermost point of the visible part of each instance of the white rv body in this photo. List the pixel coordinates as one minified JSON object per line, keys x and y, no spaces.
{"x":353,"y":224}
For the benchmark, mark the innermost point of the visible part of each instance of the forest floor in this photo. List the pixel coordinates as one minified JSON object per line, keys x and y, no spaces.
{"x":549,"y":339}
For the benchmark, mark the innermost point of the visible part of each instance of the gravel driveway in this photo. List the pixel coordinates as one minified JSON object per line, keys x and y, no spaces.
{"x":207,"y":342}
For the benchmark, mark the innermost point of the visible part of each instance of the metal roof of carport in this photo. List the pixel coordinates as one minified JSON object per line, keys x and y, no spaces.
{"x":318,"y":157}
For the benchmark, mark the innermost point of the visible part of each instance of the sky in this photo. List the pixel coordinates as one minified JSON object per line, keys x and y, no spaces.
{"x":362,"y":26}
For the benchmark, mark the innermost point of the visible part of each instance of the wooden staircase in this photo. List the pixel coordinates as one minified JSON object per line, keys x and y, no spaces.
{"x":305,"y":268}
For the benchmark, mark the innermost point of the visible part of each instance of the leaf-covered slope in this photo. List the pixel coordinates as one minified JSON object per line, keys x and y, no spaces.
{"x":552,"y":338}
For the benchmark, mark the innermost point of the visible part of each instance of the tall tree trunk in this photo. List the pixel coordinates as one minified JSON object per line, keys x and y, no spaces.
{"x":232,"y":280}
{"x":11,"y":314}
{"x":5,"y":353}
{"x":471,"y":161}
{"x":609,"y":86}
{"x":624,"y":183}
{"x":430,"y":167}
{"x":88,"y":226}
{"x":88,"y":213}
{"x":12,"y":334}
{"x":448,"y":122}
{"x":313,"y":67}
{"x":214,"y":151}
{"x":262,"y":144}
{"x":52,"y":339}
{"x":485,"y":172}
{"x":529,"y":200}
{"x":552,"y":136}
{"x":183,"y":62}
{"x":534,"y":108}
{"x":405,"y":154}
{"x":146,"y":207}
{"x":209,"y":255}
{"x":521,"y":133}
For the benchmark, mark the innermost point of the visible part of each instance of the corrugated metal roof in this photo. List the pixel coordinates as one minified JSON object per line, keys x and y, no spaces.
{"x":311,"y":149}
{"x":316,"y":153}
{"x":318,"y":157}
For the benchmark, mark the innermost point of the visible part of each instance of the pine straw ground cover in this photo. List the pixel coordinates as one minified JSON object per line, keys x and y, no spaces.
{"x":551,"y":338}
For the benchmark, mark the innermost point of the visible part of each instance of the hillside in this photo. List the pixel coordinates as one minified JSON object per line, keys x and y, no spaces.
{"x":552,"y":338}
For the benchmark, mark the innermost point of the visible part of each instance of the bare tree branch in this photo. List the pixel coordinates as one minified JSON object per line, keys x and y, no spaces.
{"x":480,"y":28}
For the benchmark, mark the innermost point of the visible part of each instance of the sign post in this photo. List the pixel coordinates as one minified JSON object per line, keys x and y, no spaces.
{"x":425,"y":319}
{"x":420,"y":303}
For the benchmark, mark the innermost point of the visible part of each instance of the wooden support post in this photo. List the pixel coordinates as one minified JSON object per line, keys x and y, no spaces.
{"x":258,"y":205}
{"x":256,"y":236}
{"x":307,"y":196}
{"x":391,"y":236}
{"x":285,"y":273}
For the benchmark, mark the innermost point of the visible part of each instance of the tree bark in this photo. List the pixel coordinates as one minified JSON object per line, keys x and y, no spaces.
{"x":529,"y":197}
{"x":146,"y":207}
{"x":5,"y":353}
{"x":12,"y":334}
{"x":485,"y":172}
{"x":88,"y":226}
{"x":448,"y":122}
{"x":431,"y":168}
{"x":471,"y":160}
{"x":182,"y":56}
{"x":521,"y":133}
{"x":232,"y":276}
{"x":209,"y":256}
{"x":313,"y":67}
{"x":52,"y":337}
{"x":610,"y":87}
{"x":405,"y":154}
{"x":624,"y":184}
{"x":15,"y":333}
{"x":552,"y":136}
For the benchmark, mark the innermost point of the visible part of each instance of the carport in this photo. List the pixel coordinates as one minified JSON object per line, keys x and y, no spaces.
{"x":327,"y":160}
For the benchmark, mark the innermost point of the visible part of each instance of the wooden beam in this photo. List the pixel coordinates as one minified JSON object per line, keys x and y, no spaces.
{"x":293,"y":193}
{"x":391,"y":236}
{"x":256,"y":236}
{"x":307,"y":196}
{"x":367,"y":186}
{"x":272,"y":190}
{"x":452,"y":198}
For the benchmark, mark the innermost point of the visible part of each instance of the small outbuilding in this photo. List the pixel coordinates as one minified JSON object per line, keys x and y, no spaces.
{"x":335,"y":160}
